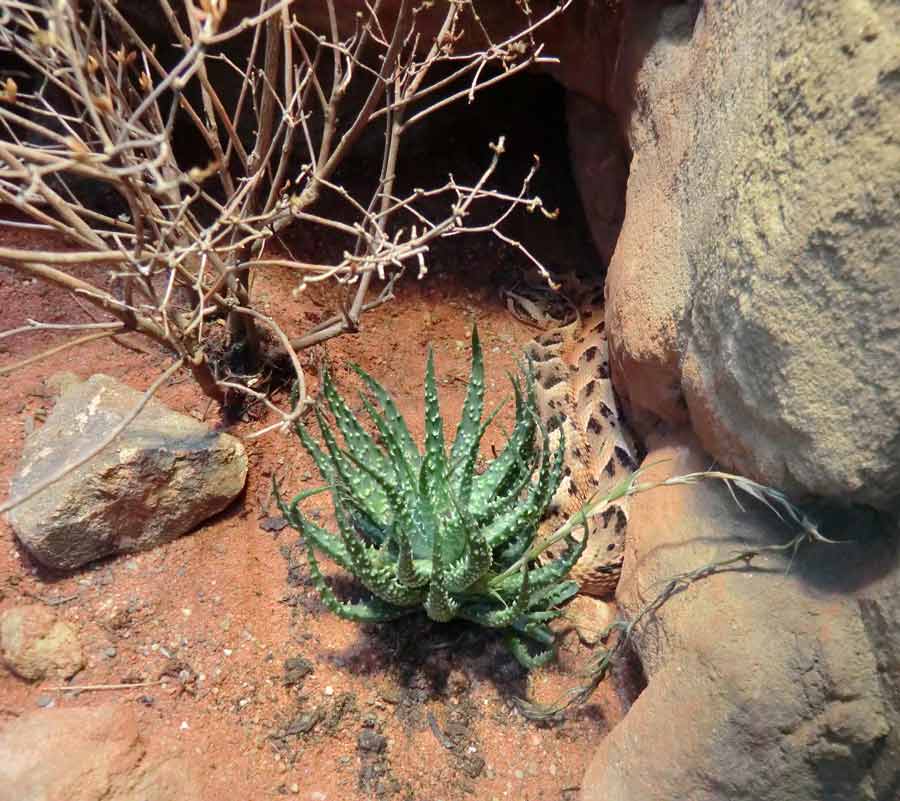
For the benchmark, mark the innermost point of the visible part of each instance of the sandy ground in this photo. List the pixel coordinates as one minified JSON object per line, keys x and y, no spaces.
{"x":212,"y":618}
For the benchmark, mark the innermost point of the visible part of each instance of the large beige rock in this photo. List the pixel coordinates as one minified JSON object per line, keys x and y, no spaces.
{"x":755,"y":288}
{"x":162,"y":476}
{"x":86,"y":754}
{"x":35,"y":644}
{"x":776,"y":683}
{"x":599,"y":153}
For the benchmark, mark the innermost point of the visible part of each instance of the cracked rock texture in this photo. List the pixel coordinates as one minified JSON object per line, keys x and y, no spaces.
{"x":755,"y":288}
{"x":163,"y":476}
{"x":780,"y":682}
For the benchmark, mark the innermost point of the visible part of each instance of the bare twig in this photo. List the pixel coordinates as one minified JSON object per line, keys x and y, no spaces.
{"x":607,"y":657}
{"x":12,"y":503}
{"x":86,"y":688}
{"x":96,"y":110}
{"x":72,"y":343}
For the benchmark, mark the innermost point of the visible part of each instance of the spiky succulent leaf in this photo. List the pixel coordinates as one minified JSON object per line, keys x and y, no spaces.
{"x":359,"y":488}
{"x":519,"y":649}
{"x":410,"y":529}
{"x":427,"y":530}
{"x":370,"y":611}
{"x":392,"y":417}
{"x":358,"y":440}
{"x":506,"y":470}
{"x":499,"y":617}
{"x":439,"y":605}
{"x":411,"y":572}
{"x":469,"y":431}
{"x":323,"y":463}
{"x":546,"y":575}
{"x":554,"y":595}
{"x":406,"y":472}
{"x":376,"y":575}
{"x":473,"y":564}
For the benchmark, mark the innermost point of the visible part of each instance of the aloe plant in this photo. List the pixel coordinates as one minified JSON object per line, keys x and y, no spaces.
{"x":427,"y":530}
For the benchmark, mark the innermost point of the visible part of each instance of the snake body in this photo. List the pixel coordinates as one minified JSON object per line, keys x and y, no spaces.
{"x":576,"y":399}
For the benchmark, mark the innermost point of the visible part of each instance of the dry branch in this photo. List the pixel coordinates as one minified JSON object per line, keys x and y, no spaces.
{"x":92,"y":109}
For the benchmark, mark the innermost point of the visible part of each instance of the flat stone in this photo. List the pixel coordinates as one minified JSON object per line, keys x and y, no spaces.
{"x":164,"y":475}
{"x":96,"y":754}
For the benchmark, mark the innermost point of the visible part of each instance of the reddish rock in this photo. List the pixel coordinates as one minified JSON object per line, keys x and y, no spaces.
{"x":776,"y":683}
{"x":88,"y":755}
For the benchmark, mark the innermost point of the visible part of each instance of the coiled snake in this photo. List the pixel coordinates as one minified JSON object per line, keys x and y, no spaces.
{"x":575,"y":395}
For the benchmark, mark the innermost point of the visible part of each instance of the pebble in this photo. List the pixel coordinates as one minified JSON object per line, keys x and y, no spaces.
{"x":317,"y":795}
{"x":295,"y":788}
{"x":184,"y":725}
{"x":45,"y":701}
{"x":519,"y":774}
{"x":110,"y":652}
{"x":329,"y":690}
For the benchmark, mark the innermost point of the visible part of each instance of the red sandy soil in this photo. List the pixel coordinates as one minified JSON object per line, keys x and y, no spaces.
{"x":226,"y":605}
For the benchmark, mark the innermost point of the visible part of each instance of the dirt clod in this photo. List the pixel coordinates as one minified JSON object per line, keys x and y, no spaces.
{"x":296,"y":669}
{"x":370,"y":740}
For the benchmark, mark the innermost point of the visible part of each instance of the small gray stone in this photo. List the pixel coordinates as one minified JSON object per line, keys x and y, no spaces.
{"x":43,"y":701}
{"x":161,"y":477}
{"x":296,"y":669}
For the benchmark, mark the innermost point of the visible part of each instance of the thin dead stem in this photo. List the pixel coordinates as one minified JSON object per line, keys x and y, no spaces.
{"x":623,"y":631}
{"x":89,"y":121}
{"x":60,"y":474}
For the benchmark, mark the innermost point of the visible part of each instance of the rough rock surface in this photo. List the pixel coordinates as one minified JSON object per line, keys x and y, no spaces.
{"x":88,"y":755}
{"x":160,"y":478}
{"x":35,"y":644}
{"x":755,"y":288}
{"x":764,"y":684}
{"x":599,"y":152}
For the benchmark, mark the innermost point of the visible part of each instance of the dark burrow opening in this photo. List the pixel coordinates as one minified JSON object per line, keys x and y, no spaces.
{"x":541,"y":126}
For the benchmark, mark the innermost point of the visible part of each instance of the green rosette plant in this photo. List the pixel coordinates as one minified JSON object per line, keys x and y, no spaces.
{"x":428,"y":530}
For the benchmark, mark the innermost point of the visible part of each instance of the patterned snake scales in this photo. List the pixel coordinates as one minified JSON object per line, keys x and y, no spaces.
{"x":575,"y":395}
